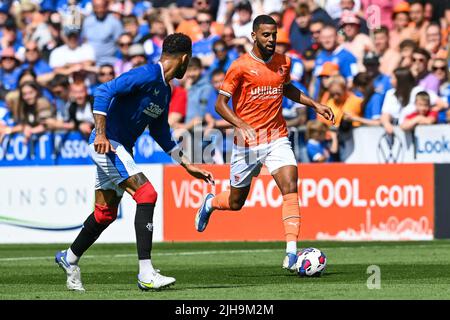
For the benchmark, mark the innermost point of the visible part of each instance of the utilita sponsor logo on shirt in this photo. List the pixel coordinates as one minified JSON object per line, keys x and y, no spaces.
{"x":266,"y":92}
{"x":153,"y":110}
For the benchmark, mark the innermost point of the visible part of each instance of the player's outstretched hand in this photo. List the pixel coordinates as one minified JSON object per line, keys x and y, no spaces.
{"x":247,"y":132}
{"x":102,"y":145}
{"x":198,"y":173}
{"x":325,"y":112}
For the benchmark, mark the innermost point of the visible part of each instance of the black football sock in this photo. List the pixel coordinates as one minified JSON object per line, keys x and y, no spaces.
{"x":143,"y":225}
{"x":88,"y":235}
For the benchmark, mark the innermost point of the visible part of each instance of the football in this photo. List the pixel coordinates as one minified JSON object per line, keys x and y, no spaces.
{"x":311,"y":262}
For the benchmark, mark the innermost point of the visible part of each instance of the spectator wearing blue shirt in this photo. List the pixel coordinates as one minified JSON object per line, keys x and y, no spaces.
{"x":199,"y":90}
{"x":224,"y":56}
{"x":441,"y":70}
{"x":6,"y":119}
{"x":372,"y":100}
{"x":300,"y":35}
{"x":333,"y":52}
{"x":132,"y":27}
{"x":203,"y":48}
{"x":153,"y":41}
{"x":33,"y":61}
{"x":381,"y":82}
{"x":319,"y":148}
{"x":102,"y":30}
{"x":105,"y":73}
{"x":59,"y":87}
{"x":9,"y":69}
{"x":10,"y":36}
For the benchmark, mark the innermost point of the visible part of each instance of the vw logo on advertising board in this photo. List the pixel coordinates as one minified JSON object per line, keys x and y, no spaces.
{"x":390,"y":149}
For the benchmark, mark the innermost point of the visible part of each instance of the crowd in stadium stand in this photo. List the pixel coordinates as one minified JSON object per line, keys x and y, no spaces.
{"x":374,"y":62}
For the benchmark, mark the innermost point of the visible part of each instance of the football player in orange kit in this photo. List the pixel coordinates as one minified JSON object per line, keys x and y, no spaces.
{"x":257,"y":82}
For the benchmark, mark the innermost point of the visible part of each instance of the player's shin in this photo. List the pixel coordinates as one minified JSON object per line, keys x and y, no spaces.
{"x":221,"y":201}
{"x":291,"y":221}
{"x":93,"y":227}
{"x":145,"y":198}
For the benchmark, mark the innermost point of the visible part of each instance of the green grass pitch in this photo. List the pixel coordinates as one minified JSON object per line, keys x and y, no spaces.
{"x":234,"y":270}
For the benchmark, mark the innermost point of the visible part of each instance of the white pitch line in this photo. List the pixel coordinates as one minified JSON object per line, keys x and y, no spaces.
{"x":194,"y":253}
{"x":182,"y":253}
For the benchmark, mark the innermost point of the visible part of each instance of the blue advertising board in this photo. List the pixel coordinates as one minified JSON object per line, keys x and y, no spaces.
{"x":67,"y":148}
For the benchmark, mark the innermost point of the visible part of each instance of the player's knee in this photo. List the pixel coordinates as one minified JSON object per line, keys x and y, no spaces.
{"x":145,"y":194}
{"x":290,"y":187}
{"x":236,"y":205}
{"x":105,"y":214}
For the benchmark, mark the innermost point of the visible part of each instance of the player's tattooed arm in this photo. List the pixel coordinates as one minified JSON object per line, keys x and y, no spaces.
{"x":294,"y":94}
{"x":101,"y":143}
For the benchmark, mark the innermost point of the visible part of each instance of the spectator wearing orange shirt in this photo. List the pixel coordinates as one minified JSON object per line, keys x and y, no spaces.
{"x":192,"y":29}
{"x":417,"y":15}
{"x":342,"y":101}
{"x":401,"y":30}
{"x":434,"y":41}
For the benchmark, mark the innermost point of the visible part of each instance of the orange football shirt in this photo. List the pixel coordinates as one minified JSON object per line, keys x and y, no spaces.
{"x":256,"y":89}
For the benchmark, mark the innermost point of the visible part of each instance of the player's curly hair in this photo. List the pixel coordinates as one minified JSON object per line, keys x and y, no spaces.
{"x":177,"y":43}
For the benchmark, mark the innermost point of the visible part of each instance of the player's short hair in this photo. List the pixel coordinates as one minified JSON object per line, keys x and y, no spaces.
{"x":177,"y":43}
{"x":263,"y":19}
{"x":424,"y":96}
{"x":195,"y":63}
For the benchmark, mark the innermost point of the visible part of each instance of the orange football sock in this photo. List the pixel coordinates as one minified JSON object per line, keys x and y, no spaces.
{"x":291,"y":216}
{"x":221,"y":201}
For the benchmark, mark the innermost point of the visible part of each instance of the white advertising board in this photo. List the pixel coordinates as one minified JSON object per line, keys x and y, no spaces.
{"x":48,"y":204}
{"x":373,"y":145}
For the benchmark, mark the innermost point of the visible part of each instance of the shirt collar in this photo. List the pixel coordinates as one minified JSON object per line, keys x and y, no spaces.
{"x":162,"y":72}
{"x":258,"y":59}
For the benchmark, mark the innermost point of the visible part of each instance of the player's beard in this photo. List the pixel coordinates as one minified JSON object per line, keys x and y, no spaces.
{"x":265,"y":51}
{"x":181,"y":71}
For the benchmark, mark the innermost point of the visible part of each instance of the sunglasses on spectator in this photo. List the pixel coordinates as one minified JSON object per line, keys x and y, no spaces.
{"x":219,"y":49}
{"x":31,"y":50}
{"x":435,"y":68}
{"x":102,"y":74}
{"x":203,"y":21}
{"x":125,"y":44}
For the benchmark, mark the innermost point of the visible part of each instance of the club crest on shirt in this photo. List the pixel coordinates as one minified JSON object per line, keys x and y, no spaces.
{"x":281,"y":71}
{"x":153,"y":110}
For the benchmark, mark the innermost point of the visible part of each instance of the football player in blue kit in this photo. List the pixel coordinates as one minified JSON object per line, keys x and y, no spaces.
{"x":123,"y":108}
